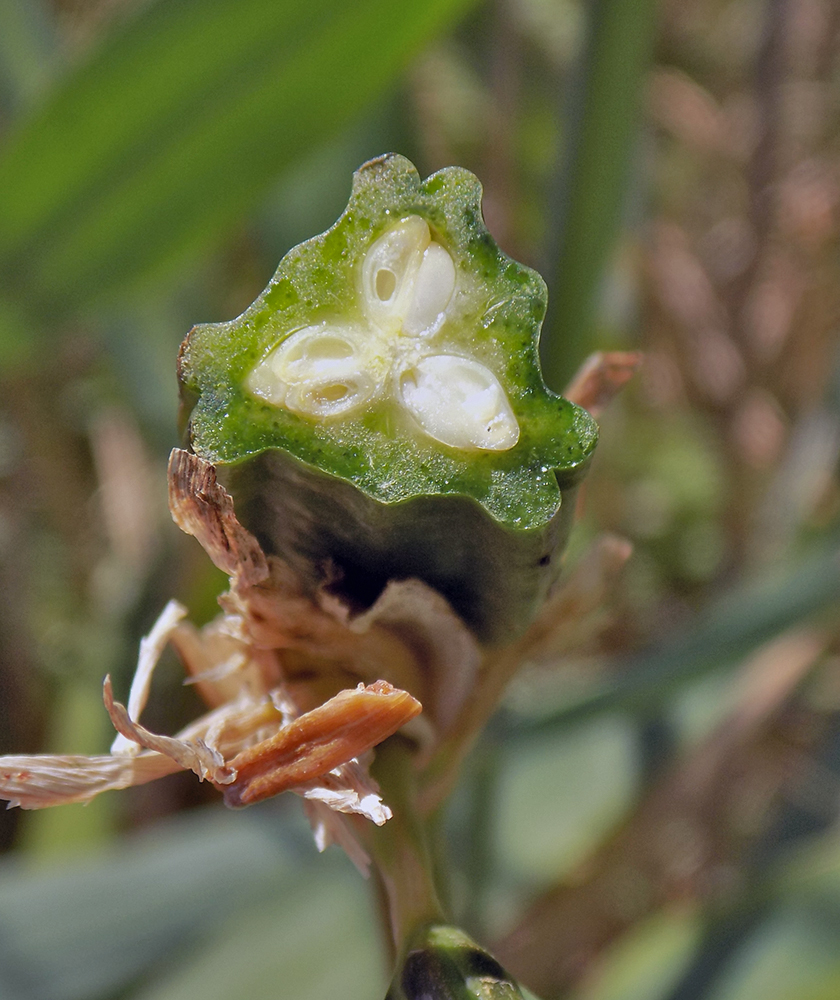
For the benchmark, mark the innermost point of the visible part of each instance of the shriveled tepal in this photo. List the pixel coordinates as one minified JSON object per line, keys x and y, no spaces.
{"x":379,"y":413}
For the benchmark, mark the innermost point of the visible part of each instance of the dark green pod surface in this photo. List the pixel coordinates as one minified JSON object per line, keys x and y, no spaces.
{"x":444,"y":964}
{"x":379,"y":413}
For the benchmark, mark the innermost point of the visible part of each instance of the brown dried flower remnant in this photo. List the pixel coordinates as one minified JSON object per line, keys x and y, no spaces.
{"x":319,"y":741}
{"x":219,"y":746}
{"x":266,"y":731}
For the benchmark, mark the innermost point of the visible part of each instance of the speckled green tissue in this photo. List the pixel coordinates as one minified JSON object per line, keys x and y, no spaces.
{"x":379,"y":413}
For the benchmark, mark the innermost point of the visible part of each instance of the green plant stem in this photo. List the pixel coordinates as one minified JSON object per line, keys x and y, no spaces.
{"x":602,"y":128}
{"x":443,"y":769}
{"x":400,"y":848}
{"x":479,"y":834}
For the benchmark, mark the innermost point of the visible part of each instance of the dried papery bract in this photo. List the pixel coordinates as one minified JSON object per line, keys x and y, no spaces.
{"x":257,"y":740}
{"x":342,"y":729}
{"x":37,"y":782}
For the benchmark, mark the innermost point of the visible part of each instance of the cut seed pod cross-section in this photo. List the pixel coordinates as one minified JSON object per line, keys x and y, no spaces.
{"x":379,"y":413}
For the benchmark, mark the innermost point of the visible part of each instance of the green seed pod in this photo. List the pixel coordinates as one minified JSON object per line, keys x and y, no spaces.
{"x":445,"y":964}
{"x":379,"y":413}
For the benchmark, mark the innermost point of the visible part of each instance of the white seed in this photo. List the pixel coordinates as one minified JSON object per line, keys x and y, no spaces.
{"x":390,"y":268}
{"x":264,"y":383}
{"x":433,"y":288}
{"x":333,"y":369}
{"x":460,"y":403}
{"x":320,"y":371}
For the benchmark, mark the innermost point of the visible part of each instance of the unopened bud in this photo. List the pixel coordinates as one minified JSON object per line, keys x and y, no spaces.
{"x":445,"y":964}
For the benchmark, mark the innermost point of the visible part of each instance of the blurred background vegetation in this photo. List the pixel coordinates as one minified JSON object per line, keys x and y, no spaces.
{"x":653,"y":814}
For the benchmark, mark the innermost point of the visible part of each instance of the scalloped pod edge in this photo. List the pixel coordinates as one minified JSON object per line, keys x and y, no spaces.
{"x":379,"y":411}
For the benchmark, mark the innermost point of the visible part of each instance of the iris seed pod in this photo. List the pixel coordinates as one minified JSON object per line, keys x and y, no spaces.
{"x":379,"y":413}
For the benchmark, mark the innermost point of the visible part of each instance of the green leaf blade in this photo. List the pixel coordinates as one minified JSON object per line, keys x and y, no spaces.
{"x":177,"y":125}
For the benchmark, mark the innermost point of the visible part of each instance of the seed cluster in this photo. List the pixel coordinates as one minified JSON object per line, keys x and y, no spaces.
{"x":332,"y":369}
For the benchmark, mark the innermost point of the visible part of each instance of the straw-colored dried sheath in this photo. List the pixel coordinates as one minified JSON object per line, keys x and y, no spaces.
{"x":379,"y":411}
